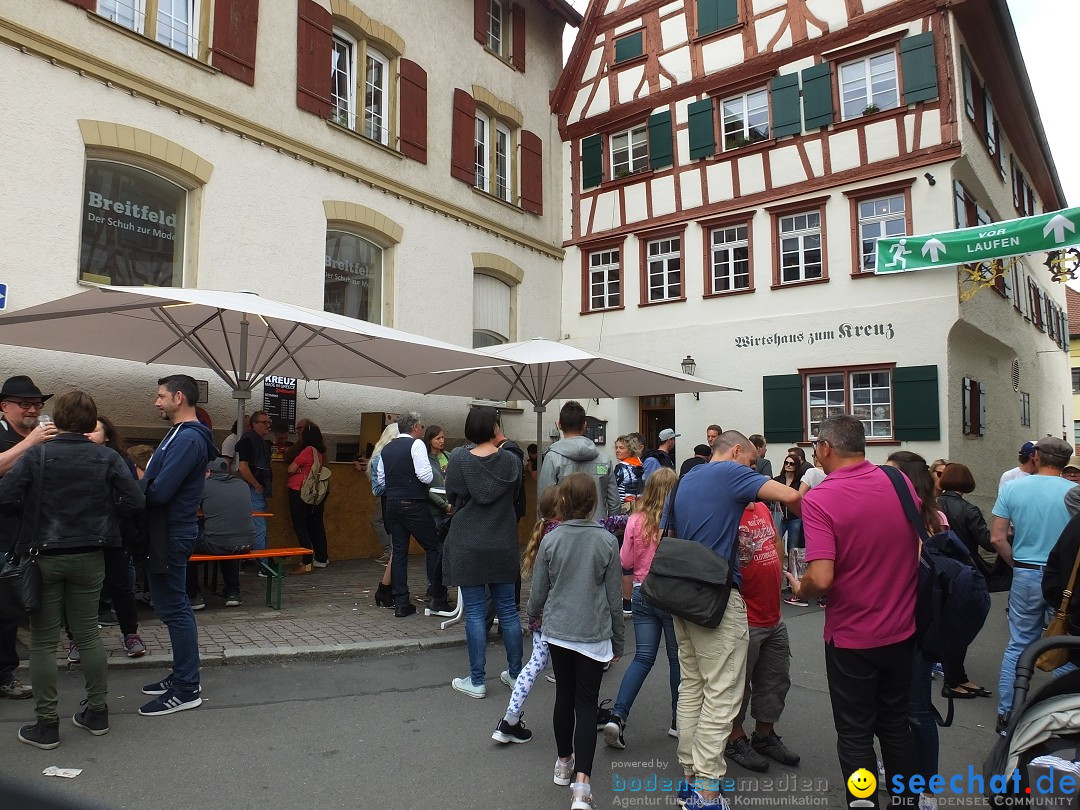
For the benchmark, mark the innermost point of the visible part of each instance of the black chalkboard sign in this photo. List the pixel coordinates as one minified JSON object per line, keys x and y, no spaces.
{"x":279,"y":400}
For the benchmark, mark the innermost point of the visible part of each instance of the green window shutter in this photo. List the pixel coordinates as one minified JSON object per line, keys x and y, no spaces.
{"x":817,"y":96}
{"x":919,"y":66}
{"x":786,"y":113}
{"x":915,"y":403}
{"x":782,"y":398}
{"x":660,"y":145}
{"x":629,"y":47}
{"x":702,"y":137}
{"x":716,"y":15}
{"x":592,"y":161}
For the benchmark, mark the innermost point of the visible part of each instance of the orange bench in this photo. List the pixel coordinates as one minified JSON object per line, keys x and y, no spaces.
{"x":275,"y":574}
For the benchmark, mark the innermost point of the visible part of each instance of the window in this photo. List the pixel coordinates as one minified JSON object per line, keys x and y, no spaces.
{"x":133,"y":227}
{"x":630,"y":151}
{"x":1025,"y":409}
{"x":1035,"y":301}
{"x":994,"y":140}
{"x":493,"y":154}
{"x":800,"y":247}
{"x":865,"y":394}
{"x":502,"y":162}
{"x":730,"y":248}
{"x":491,"y":311}
{"x":481,"y":146}
{"x":883,"y":217}
{"x":343,"y":80}
{"x":376,"y":71}
{"x":1076,"y":380}
{"x":868,"y":85}
{"x":176,"y":24}
{"x":716,"y":15}
{"x":605,"y":284}
{"x":974,"y":407}
{"x":629,"y":47}
{"x":746,"y":119}
{"x":664,"y":263}
{"x":968,"y":81}
{"x":1076,"y":433}
{"x":354,"y":273}
{"x":496,"y":23}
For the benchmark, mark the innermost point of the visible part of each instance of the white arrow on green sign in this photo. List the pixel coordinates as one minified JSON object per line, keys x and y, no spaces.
{"x":999,"y":240}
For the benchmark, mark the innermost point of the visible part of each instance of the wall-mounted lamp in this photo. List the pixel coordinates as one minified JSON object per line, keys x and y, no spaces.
{"x":930,"y":179}
{"x":689,"y":366}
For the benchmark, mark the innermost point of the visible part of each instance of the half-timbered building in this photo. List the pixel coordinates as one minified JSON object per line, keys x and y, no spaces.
{"x":732,"y":164}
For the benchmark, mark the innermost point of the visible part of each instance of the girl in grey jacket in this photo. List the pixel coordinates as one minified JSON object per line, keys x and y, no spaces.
{"x":576,"y":585}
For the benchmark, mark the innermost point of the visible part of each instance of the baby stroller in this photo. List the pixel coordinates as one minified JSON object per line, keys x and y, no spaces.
{"x":1046,"y":724}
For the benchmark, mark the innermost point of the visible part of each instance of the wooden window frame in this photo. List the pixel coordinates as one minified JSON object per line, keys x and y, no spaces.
{"x":865,"y":194}
{"x":644,"y":238}
{"x":840,"y":65}
{"x":633,"y":60}
{"x":493,"y":123}
{"x":719,"y":32}
{"x":609,"y":155}
{"x":375,"y":55}
{"x":973,"y":407}
{"x":744,"y":95}
{"x":776,"y":212}
{"x":586,"y":252}
{"x":707,"y":227}
{"x":847,"y":371}
{"x":199,"y":27}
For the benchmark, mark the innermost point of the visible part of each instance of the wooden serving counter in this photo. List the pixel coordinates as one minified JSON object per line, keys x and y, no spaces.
{"x":347,"y":514}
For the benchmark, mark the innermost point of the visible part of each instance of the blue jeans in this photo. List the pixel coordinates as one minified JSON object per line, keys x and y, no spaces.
{"x":793,"y":529}
{"x":924,"y":728}
{"x":169,"y":592}
{"x":258,"y":504}
{"x":1027,"y":617}
{"x":474,"y":597}
{"x":648,"y":623}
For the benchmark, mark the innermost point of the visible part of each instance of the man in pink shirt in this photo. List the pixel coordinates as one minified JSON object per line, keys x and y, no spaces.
{"x":862,"y":550}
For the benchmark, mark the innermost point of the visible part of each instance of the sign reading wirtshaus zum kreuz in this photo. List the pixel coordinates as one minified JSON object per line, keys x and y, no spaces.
{"x":998,"y":240}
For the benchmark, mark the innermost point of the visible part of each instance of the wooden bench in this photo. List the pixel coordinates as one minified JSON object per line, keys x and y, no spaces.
{"x":275,"y":574}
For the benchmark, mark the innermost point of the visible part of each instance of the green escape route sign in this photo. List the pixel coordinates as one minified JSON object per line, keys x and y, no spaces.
{"x":999,"y":240}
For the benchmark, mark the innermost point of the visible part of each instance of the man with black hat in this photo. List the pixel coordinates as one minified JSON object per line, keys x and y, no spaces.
{"x":21,"y":402}
{"x":702,"y":454}
{"x":1026,"y":465}
{"x":1035,"y":506}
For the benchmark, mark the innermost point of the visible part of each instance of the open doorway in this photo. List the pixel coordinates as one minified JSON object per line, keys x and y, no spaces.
{"x":657,"y":413}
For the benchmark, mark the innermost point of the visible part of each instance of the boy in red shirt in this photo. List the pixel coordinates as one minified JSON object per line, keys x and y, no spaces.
{"x":769,"y":654}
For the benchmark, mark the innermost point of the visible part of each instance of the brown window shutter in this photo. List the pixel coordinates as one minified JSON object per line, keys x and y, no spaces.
{"x":517,"y":54}
{"x":89,"y":5}
{"x":463,"y":138}
{"x":532,"y":172}
{"x":236,"y":24}
{"x":314,"y":35}
{"x":480,"y":21}
{"x":412,"y":95}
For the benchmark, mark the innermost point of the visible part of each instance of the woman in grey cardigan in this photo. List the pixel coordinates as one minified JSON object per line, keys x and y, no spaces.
{"x":481,"y":549}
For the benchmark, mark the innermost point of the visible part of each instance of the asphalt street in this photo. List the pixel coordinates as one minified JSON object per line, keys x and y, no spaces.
{"x":388,"y":731}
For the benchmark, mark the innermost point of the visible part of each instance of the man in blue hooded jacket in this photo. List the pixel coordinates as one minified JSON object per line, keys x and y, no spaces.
{"x":174,"y":487}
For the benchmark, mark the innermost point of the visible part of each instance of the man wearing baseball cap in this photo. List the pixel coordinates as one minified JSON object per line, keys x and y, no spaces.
{"x":1026,"y":466}
{"x":1035,"y":505}
{"x":21,"y":402}
{"x":653,"y":460}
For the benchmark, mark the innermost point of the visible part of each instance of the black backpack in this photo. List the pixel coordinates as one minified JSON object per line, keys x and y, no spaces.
{"x":952,"y":601}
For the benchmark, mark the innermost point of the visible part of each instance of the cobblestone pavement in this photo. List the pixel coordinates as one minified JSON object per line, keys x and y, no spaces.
{"x":330,"y":612}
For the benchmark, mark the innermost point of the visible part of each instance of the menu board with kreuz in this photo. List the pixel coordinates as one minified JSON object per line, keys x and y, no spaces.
{"x":279,"y":400}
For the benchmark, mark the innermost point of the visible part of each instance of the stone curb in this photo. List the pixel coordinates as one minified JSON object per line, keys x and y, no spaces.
{"x":258,"y":655}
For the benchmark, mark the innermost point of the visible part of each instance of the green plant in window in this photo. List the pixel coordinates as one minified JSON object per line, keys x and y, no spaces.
{"x":871,"y":109}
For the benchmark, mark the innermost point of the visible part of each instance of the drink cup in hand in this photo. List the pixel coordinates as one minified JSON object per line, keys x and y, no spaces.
{"x":45,"y":420}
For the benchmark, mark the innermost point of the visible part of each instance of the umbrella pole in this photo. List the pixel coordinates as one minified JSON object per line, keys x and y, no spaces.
{"x":242,"y":391}
{"x":539,"y":409}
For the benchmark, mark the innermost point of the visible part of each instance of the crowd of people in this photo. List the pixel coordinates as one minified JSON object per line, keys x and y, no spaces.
{"x":833,"y":529}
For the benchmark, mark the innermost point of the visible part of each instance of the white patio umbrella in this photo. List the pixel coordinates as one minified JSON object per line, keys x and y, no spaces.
{"x":240,"y":336}
{"x":541,"y":371}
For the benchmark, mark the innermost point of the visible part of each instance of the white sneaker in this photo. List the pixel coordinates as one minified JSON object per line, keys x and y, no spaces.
{"x":564,"y":772}
{"x":466,"y":687}
{"x":318,"y":564}
{"x":550,"y":678}
{"x":582,"y":797}
{"x":504,"y":676}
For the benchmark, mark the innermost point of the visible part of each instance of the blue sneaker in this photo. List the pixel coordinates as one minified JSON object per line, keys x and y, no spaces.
{"x":937,"y":671}
{"x":698,"y":802}
{"x":171,"y":702}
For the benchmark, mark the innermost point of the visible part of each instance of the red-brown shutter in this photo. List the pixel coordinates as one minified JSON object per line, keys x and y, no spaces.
{"x":89,"y":5}
{"x":463,"y":138}
{"x":236,"y":25}
{"x":412,"y":95}
{"x":480,"y":20}
{"x":532,"y":172}
{"x":517,"y":54}
{"x":314,"y":38}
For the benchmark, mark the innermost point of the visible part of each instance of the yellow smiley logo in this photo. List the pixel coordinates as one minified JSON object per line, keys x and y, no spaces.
{"x":862,"y":783}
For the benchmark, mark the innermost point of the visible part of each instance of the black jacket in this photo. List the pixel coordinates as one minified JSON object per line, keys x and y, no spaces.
{"x":967,"y":521}
{"x":1056,"y":576}
{"x":85,"y":490}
